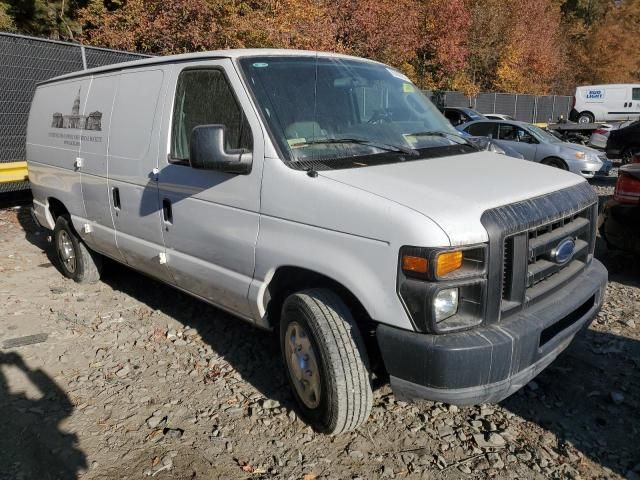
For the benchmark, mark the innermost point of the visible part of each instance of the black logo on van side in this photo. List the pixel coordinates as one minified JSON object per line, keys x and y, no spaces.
{"x":93,"y":121}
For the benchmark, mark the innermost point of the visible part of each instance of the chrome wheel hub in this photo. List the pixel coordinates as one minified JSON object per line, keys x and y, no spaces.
{"x":302,"y":365}
{"x":65,"y":251}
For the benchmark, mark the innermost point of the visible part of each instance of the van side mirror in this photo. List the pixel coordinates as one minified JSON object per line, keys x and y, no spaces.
{"x":207,"y":151}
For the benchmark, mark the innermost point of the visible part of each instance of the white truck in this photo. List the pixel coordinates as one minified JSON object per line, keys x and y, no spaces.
{"x":324,"y":197}
{"x":605,"y":103}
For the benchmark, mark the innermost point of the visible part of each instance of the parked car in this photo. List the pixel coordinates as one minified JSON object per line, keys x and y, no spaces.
{"x":620,"y":217}
{"x":460,"y":115}
{"x":325,"y":197}
{"x":604,"y":103}
{"x":498,"y":116}
{"x":541,"y":146}
{"x":623,"y":143}
{"x":486,"y":143}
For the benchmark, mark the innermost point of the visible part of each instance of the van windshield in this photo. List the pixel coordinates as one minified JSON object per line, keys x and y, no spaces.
{"x":329,"y":112}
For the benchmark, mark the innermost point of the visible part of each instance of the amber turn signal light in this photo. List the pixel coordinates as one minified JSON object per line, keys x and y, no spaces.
{"x":414,"y":264}
{"x":448,"y":262}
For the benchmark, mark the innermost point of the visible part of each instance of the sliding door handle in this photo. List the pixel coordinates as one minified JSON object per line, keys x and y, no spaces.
{"x":167,"y":211}
{"x":115,"y":192}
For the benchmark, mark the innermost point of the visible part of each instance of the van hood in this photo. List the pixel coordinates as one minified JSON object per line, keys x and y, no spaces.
{"x":454,"y":191}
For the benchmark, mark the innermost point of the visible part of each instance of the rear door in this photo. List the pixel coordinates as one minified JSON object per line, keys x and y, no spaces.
{"x":133,"y":158}
{"x":211,"y":218}
{"x":634,"y":104}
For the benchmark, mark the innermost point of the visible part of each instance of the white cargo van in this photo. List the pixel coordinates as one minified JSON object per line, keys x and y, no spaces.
{"x":325,"y":197}
{"x":603,"y":103}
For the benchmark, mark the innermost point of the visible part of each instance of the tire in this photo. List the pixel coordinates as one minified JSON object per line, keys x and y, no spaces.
{"x":627,"y":155}
{"x":586,"y":117}
{"x":75,"y":260}
{"x":320,"y":339}
{"x":556,"y":163}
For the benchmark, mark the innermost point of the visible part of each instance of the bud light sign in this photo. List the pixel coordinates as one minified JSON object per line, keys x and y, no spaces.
{"x":595,"y":94}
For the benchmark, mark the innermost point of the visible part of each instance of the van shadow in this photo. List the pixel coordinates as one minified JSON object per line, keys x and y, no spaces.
{"x":253,"y":353}
{"x":589,"y":399}
{"x":32,"y":444}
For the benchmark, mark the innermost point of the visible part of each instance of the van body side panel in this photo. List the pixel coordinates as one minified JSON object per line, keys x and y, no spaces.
{"x":53,"y":133}
{"x":340,"y":236}
{"x":133,"y":154}
{"x":211,"y":237}
{"x":93,"y":151}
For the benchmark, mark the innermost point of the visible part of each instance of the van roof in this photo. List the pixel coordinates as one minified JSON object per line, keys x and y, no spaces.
{"x":213,"y":54}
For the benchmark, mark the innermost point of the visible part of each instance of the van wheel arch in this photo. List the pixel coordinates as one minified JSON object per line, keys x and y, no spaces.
{"x":290,"y":279}
{"x":57,"y":208}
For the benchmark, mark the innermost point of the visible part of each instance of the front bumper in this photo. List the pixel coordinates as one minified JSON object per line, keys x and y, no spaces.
{"x":487,"y":364}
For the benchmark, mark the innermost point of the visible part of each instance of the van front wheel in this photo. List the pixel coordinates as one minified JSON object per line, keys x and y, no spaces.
{"x":325,"y":360}
{"x":75,"y":259}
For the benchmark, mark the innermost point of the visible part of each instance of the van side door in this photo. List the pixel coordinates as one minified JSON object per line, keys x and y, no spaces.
{"x":94,"y":141}
{"x":133,"y":156}
{"x":211,"y":218}
{"x":616,"y":101}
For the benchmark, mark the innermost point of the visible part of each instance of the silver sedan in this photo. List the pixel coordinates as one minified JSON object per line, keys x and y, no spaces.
{"x":538,"y":145}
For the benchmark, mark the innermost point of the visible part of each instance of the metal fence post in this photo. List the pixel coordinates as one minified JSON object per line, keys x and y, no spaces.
{"x":535,"y":109}
{"x":553,"y":109}
{"x":84,"y":57}
{"x":495,"y":97}
{"x":515,"y":107}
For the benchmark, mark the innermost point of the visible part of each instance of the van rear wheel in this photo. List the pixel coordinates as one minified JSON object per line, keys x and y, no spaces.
{"x":75,"y":259}
{"x":586,"y":117}
{"x":325,"y":360}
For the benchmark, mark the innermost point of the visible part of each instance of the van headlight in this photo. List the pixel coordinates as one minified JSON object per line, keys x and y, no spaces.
{"x":443,"y":290}
{"x":445,"y":304}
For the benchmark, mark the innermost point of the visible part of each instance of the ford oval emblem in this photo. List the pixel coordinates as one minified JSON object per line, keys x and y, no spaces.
{"x":563,"y":251}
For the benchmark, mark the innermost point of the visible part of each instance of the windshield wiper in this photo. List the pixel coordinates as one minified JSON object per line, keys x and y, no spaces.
{"x":440,"y":133}
{"x":360,"y":141}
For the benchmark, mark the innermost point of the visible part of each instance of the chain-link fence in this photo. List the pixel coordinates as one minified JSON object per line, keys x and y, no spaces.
{"x":25,"y":61}
{"x":526,"y":108}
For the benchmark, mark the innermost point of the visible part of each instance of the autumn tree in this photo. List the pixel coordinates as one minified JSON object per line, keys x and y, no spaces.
{"x":442,"y":55}
{"x":606,"y":51}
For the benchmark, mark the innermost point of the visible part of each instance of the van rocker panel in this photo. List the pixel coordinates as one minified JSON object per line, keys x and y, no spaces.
{"x":488,"y":364}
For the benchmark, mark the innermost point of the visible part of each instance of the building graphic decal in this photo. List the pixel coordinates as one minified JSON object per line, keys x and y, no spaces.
{"x":93,"y":121}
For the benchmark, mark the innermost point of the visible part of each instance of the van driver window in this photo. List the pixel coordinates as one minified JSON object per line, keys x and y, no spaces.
{"x":204,"y":97}
{"x":635,"y":94}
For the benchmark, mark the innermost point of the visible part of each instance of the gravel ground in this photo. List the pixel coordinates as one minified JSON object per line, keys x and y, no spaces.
{"x":136,"y":379}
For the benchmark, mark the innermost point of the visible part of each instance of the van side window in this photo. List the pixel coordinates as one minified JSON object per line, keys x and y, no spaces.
{"x":204,"y":97}
{"x":635,"y":94}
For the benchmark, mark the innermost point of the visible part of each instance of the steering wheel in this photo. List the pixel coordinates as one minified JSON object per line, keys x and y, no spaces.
{"x":380,"y":116}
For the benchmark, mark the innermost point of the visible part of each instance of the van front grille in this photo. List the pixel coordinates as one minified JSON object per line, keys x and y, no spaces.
{"x":530,"y":269}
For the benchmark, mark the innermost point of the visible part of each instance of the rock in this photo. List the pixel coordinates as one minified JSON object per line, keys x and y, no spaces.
{"x":155,"y":421}
{"x":124,"y":371}
{"x":356,"y":454}
{"x":173,"y":433}
{"x":524,"y":455}
{"x":491,"y":440}
{"x":617,"y":397}
{"x":269,"y":404}
{"x":464,"y":469}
